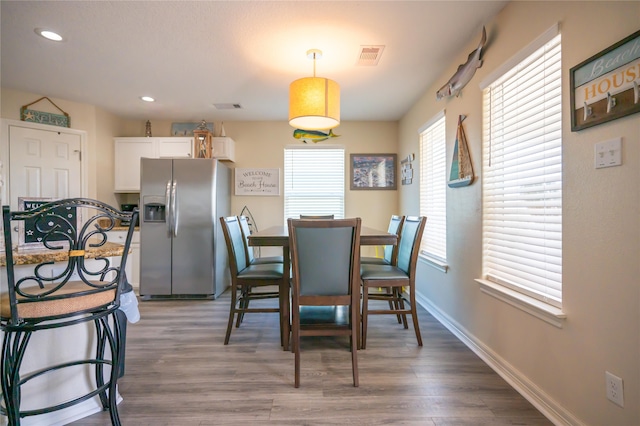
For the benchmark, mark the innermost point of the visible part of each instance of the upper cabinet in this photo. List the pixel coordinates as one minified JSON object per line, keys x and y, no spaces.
{"x":129,"y":151}
{"x":224,"y":148}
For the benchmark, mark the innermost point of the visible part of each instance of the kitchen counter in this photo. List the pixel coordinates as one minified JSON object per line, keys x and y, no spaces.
{"x":29,"y":257}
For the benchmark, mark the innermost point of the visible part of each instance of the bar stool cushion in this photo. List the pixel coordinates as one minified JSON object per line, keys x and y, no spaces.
{"x":76,"y":300}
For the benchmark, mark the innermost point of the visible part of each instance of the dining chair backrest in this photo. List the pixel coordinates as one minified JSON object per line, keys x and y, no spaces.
{"x":235,"y":244}
{"x":395,"y":227}
{"x":244,"y":226}
{"x":324,"y":255}
{"x":323,"y":216}
{"x":409,"y":243}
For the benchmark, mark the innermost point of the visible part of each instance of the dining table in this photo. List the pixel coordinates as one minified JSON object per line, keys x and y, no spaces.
{"x":278,"y":236}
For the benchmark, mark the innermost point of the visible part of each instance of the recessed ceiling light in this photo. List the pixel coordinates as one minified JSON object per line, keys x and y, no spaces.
{"x":48,"y":34}
{"x":147,"y":98}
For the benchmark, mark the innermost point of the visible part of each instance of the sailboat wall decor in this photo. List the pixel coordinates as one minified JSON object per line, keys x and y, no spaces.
{"x":461,"y":166}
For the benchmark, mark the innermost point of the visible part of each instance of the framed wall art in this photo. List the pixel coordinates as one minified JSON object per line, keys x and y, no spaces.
{"x":605,"y":87}
{"x":373,"y":171}
{"x":186,"y":129}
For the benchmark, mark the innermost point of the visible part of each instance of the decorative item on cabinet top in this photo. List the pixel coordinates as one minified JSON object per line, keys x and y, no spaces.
{"x":202,"y":140}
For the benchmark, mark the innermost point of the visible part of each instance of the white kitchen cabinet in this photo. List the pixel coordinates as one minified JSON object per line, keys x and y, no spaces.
{"x":174,"y":147}
{"x":133,"y":263}
{"x":224,"y":148}
{"x":129,"y":151}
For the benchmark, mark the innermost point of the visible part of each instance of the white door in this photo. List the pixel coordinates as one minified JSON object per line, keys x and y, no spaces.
{"x":43,"y":163}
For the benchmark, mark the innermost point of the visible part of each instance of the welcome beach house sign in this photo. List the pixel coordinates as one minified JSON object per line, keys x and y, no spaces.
{"x":257,"y":181}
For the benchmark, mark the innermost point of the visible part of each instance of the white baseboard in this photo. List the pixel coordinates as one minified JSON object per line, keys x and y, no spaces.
{"x":529,"y":390}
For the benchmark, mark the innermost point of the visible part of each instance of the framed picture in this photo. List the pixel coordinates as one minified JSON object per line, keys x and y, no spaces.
{"x":373,"y":171}
{"x":605,"y":87}
{"x":29,"y":237}
{"x":186,"y":129}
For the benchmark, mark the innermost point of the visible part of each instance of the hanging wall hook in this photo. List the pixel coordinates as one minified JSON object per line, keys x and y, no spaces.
{"x":611,"y":102}
{"x":587,"y":111}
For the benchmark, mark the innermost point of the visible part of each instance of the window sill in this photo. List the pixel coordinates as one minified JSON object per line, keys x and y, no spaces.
{"x":434,"y":263}
{"x":544,"y":311}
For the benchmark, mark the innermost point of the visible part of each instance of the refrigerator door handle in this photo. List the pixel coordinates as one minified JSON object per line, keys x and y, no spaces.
{"x":174,"y":207}
{"x":168,"y":208}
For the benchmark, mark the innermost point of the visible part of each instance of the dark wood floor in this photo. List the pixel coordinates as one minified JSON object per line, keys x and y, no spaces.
{"x":179,"y":373}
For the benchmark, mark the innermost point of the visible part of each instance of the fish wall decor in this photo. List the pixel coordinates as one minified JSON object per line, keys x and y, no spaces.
{"x":465,"y":72}
{"x":314,"y":136}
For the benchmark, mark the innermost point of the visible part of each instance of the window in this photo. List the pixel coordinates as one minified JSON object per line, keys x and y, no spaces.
{"x":433,"y":188}
{"x":313,"y":181}
{"x":522,"y":175}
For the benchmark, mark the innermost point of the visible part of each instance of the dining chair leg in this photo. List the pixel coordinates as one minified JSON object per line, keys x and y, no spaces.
{"x":232,"y":310}
{"x":244,"y":304}
{"x":414,"y":317}
{"x":393,"y":302}
{"x":355,"y":331}
{"x":399,"y":298}
{"x":295,"y":347}
{"x":365,"y":316}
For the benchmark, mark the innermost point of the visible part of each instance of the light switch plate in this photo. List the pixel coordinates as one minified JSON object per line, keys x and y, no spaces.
{"x":608,"y":153}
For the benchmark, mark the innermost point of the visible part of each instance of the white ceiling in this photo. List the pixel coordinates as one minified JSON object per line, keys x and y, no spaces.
{"x":190,"y":55}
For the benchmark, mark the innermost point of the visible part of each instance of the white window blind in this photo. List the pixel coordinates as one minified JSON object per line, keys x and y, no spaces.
{"x":433,"y":188}
{"x":522,"y":176}
{"x":313,"y":181}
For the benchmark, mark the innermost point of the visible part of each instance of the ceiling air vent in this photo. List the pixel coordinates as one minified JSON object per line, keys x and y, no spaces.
{"x":369,"y":55}
{"x":227,"y":106}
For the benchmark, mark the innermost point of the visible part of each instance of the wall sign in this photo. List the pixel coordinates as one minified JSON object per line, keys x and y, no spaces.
{"x":30,"y":232}
{"x":62,"y":120}
{"x":606,"y":86}
{"x":257,"y":181}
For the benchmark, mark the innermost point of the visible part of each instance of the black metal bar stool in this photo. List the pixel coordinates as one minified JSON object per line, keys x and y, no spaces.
{"x":75,"y":276}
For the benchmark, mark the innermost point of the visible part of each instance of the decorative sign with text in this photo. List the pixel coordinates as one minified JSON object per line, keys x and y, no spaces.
{"x":62,"y":219}
{"x":257,"y":182}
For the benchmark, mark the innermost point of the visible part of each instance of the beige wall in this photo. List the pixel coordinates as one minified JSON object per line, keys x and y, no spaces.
{"x":601,"y":229}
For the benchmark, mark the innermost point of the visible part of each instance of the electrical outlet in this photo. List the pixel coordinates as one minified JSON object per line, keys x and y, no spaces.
{"x":615,"y":392}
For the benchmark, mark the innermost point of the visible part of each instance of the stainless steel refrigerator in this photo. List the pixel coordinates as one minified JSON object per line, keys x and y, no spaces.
{"x":182,"y":248}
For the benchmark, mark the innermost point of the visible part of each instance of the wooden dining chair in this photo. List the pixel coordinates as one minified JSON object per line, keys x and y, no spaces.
{"x":77,"y":277}
{"x":244,"y":225}
{"x":390,"y":252}
{"x":245,"y":277}
{"x":390,"y":257}
{"x":323,"y":216}
{"x":398,"y":277}
{"x":325,"y":262}
{"x":246,"y":294}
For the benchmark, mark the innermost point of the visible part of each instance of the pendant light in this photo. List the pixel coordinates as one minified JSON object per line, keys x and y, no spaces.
{"x":314,"y":102}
